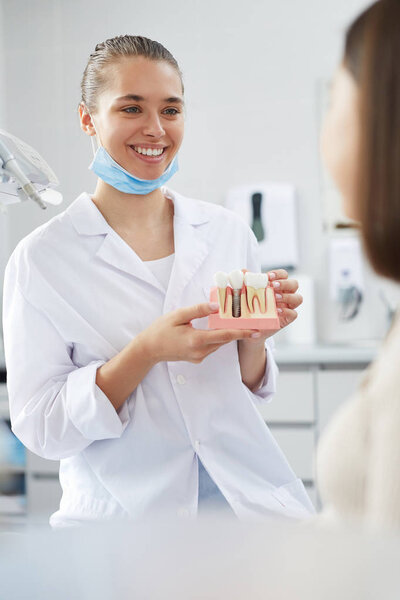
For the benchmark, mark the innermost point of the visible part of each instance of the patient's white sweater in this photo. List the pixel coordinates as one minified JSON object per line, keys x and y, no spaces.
{"x":358,"y":456}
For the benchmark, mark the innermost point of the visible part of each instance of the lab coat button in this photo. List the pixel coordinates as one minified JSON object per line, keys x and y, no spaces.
{"x":181,"y":379}
{"x":183,"y":512}
{"x":197,"y":445}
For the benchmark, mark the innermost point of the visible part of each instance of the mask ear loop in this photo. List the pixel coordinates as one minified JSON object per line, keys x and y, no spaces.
{"x":95,"y":146}
{"x":94,"y":149}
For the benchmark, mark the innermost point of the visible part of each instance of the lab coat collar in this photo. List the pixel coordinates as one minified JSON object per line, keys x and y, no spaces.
{"x":190,"y":240}
{"x":88,"y":220}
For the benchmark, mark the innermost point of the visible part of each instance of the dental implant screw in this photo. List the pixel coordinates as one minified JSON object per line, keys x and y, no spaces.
{"x":236,"y":303}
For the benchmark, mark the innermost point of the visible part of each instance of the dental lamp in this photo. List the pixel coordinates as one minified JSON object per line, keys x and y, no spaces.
{"x":24,"y":174}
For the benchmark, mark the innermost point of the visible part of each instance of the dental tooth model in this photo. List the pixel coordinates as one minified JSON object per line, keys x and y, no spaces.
{"x":236,"y":281}
{"x":246,"y":301}
{"x":255,"y":286}
{"x":221,"y":280}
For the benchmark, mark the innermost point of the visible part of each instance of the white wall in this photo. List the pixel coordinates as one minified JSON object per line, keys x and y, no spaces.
{"x":251,"y":72}
{"x":4,"y":219}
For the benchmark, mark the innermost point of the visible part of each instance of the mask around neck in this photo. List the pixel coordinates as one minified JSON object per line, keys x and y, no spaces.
{"x":112,"y":173}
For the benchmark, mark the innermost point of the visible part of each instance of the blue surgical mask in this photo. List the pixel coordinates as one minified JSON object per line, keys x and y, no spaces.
{"x":112,"y":173}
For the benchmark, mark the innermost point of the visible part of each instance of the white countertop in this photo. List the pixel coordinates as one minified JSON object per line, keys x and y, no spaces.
{"x":338,"y":354}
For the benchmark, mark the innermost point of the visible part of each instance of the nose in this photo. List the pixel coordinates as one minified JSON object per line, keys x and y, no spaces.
{"x":153,"y":127}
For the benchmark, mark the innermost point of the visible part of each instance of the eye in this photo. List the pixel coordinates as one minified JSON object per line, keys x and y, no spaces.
{"x":171,"y":111}
{"x":131,"y":109}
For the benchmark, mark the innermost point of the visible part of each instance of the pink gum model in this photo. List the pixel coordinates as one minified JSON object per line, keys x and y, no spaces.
{"x":268,"y":321}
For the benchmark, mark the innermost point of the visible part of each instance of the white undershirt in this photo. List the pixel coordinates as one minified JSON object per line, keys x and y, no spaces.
{"x":161,"y":268}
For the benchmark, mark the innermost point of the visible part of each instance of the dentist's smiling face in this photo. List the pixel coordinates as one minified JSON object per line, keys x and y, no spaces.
{"x":139,"y":117}
{"x":340,"y":138}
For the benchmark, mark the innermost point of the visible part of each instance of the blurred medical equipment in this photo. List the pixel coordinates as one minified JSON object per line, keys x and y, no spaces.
{"x":257,"y":225}
{"x":24,"y":174}
{"x":347,"y":281}
{"x":270,"y":210}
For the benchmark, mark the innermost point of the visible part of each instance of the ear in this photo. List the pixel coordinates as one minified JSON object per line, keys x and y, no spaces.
{"x":86,"y":120}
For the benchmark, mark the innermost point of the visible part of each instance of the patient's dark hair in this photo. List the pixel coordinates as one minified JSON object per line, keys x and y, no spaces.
{"x":372,"y":56}
{"x":95,"y":75}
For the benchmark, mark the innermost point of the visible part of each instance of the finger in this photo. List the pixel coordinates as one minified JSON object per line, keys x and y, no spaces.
{"x":277,"y":274}
{"x":223,"y":336}
{"x":288,"y":286}
{"x":289,"y":300}
{"x":197,"y":311}
{"x":287,"y":316}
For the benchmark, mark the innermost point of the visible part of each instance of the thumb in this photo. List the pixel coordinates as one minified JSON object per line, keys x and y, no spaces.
{"x":197,"y":311}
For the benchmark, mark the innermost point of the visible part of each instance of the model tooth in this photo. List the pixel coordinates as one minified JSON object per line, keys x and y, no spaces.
{"x":260,"y":291}
{"x":221,"y":280}
{"x":255,"y":286}
{"x":250,"y":291}
{"x":236,"y":279}
{"x":250,"y":279}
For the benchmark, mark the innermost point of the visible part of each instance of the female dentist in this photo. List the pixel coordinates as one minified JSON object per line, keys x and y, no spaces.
{"x":106,"y":373}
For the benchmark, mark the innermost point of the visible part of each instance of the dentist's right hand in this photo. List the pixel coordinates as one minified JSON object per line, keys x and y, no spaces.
{"x":172,"y":337}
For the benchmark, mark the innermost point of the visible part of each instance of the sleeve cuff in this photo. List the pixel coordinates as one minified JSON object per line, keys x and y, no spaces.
{"x":267,"y":389}
{"x":88,"y":407}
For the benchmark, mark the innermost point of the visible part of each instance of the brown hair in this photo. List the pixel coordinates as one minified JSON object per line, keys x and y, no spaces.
{"x":371,"y":54}
{"x":94,"y":79}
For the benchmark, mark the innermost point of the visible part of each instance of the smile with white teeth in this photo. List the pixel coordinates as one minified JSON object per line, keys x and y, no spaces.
{"x":148,"y":151}
{"x":255,"y":287}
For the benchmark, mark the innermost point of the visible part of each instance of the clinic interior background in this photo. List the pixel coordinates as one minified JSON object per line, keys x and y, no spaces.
{"x":253,"y":74}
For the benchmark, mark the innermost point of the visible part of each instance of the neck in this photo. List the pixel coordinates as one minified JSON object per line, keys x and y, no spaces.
{"x":132,"y":210}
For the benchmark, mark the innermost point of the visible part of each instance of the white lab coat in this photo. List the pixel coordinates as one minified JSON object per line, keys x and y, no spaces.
{"x":74,"y":295}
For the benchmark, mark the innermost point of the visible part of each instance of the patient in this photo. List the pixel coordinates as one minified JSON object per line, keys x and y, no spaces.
{"x":358,"y":457}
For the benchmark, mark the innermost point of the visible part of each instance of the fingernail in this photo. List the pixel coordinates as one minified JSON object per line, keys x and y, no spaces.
{"x":213,"y":305}
{"x":278,"y":296}
{"x":272,"y":275}
{"x":279,"y":310}
{"x":256,"y":334}
{"x":276,"y":284}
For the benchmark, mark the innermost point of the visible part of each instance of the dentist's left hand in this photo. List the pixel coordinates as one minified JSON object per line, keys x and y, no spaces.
{"x":287,"y":300}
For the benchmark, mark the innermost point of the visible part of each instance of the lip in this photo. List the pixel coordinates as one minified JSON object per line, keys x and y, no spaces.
{"x":149,"y":159}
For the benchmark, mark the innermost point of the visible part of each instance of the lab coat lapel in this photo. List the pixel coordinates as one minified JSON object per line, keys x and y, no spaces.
{"x":89,"y":221}
{"x":191,"y":246}
{"x":120,"y":255}
{"x":190,"y":240}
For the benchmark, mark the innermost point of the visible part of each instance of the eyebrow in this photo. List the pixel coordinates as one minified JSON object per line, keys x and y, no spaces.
{"x":136,"y":98}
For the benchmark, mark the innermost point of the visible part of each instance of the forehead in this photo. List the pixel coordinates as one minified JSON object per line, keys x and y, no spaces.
{"x":143,"y":77}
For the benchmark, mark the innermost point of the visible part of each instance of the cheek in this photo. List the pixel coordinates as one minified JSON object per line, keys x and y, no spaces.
{"x":176,"y":133}
{"x":338,"y":149}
